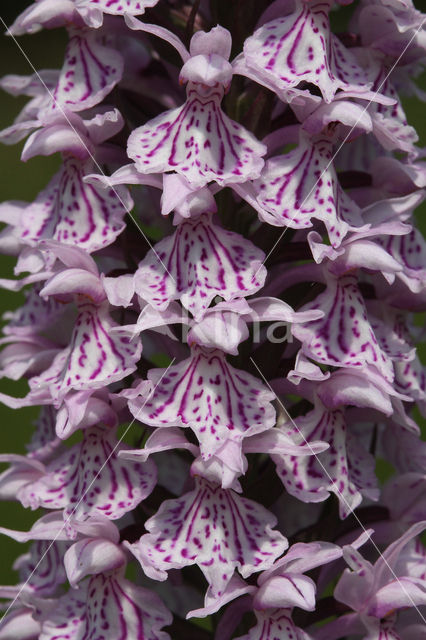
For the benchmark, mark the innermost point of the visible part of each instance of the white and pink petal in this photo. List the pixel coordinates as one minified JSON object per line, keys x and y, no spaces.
{"x":198,"y":141}
{"x":90,"y":478}
{"x":275,"y":623}
{"x":299,"y":47}
{"x":302,"y":185}
{"x":213,"y":528}
{"x":200,"y":261}
{"x":205,"y":393}
{"x":96,"y":357}
{"x":311,"y":478}
{"x":90,"y":71}
{"x":74,"y":212}
{"x":107,"y":607}
{"x":344,"y":337}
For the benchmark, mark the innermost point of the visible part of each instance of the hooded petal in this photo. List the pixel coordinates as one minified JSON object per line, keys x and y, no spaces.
{"x":92,"y":556}
{"x":285,"y":592}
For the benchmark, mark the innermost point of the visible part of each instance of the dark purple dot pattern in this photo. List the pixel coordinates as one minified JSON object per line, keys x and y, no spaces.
{"x":90,"y":478}
{"x":89,"y":73}
{"x":344,"y":337}
{"x":73,"y":212}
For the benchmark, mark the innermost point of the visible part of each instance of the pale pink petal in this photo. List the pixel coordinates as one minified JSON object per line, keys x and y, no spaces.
{"x":344,"y":337}
{"x":300,"y":47}
{"x":89,"y":478}
{"x":218,"y":40}
{"x":213,"y":528}
{"x":44,"y":13}
{"x":107,"y":607}
{"x":48,"y":527}
{"x":160,"y":440}
{"x":302,"y":185}
{"x":19,"y":623}
{"x":235,"y":588}
{"x":92,"y":556}
{"x":89,"y":73}
{"x":285,"y":592}
{"x":198,"y":141}
{"x":200,"y":261}
{"x":205,"y":393}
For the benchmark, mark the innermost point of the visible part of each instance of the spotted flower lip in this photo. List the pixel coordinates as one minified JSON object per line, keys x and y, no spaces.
{"x":301,"y":185}
{"x":220,"y":148}
{"x":191,"y":394}
{"x":275,"y":307}
{"x":301,"y":44}
{"x":198,"y":528}
{"x":69,"y":210}
{"x":75,"y":473}
{"x":198,"y":140}
{"x":200,"y":261}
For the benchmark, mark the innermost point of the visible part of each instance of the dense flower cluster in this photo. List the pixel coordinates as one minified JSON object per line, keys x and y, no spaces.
{"x":244,"y":498}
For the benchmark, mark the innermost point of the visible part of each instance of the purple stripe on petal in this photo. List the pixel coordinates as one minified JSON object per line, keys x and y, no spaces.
{"x":106,"y":607}
{"x":300,"y":47}
{"x":90,"y":478}
{"x":74,"y":212}
{"x":344,"y":337}
{"x":215,"y":529}
{"x":198,"y":141}
{"x":301,"y":185}
{"x":89,"y":73}
{"x":203,"y":261}
{"x":205,"y":393}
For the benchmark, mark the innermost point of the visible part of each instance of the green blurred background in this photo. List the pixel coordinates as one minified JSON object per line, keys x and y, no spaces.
{"x":22,"y":181}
